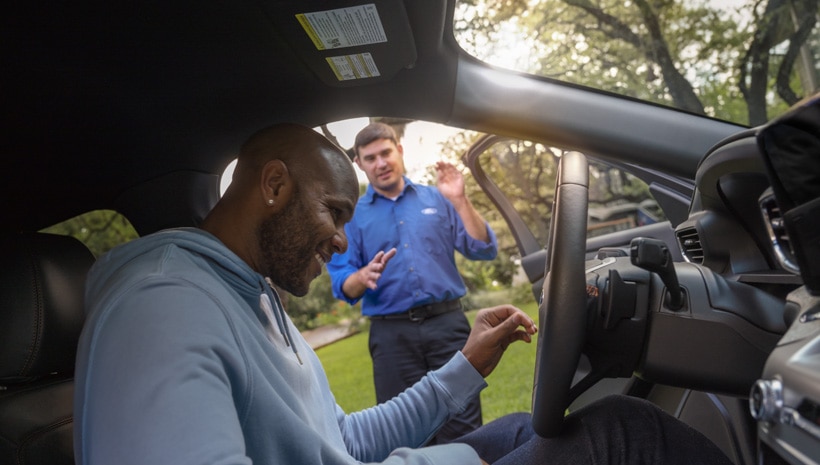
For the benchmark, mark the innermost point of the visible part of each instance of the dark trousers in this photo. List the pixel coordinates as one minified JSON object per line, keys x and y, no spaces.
{"x":615,"y":430}
{"x":403,"y":351}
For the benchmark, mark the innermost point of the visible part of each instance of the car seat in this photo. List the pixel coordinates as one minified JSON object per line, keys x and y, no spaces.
{"x":42,"y":281}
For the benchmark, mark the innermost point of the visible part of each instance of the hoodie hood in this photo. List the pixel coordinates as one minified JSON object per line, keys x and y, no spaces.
{"x":198,"y":241}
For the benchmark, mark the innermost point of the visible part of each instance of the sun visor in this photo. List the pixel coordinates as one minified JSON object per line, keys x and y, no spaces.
{"x":347,"y":43}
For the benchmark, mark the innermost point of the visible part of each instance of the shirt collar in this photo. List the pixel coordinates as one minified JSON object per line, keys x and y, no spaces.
{"x":370,"y":194}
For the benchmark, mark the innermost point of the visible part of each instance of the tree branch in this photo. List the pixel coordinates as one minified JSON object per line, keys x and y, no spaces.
{"x":796,"y":41}
{"x":679,"y":87}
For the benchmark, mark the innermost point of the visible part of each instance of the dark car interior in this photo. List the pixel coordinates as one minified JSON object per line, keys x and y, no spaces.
{"x":713,"y":314}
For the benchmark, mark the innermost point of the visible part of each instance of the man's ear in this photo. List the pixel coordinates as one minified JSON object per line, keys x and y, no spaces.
{"x":277,"y":184}
{"x":358,"y":162}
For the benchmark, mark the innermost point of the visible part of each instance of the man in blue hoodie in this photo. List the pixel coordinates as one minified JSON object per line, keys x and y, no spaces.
{"x":188,"y":357}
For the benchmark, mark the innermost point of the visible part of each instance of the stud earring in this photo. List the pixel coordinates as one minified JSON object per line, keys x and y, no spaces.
{"x":270,"y":202}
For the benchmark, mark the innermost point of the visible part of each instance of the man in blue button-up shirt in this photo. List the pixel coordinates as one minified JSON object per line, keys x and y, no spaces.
{"x":417,"y":322}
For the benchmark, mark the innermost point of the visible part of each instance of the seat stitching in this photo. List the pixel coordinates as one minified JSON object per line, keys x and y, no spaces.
{"x":36,"y":337}
{"x":29,"y":437}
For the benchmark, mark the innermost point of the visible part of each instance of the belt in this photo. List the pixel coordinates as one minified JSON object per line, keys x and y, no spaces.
{"x":422,"y":312}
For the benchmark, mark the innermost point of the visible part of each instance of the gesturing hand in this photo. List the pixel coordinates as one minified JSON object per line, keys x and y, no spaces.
{"x":449,"y":181}
{"x":369,"y":274}
{"x":494,"y":329}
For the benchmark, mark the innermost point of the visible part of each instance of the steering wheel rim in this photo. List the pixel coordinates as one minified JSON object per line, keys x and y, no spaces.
{"x":562,"y":315}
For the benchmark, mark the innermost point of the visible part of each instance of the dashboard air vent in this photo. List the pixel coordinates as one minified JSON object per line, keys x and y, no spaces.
{"x":690,"y":245}
{"x":777,"y":234}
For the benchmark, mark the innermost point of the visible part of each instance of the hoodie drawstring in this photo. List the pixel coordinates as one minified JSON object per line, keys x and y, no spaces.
{"x":278,"y":314}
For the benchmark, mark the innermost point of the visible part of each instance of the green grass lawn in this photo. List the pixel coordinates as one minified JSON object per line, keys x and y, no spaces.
{"x":350,"y":373}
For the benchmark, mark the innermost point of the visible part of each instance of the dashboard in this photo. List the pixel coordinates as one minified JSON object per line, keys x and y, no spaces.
{"x":755,"y":218}
{"x":726,"y":230}
{"x":786,"y":400}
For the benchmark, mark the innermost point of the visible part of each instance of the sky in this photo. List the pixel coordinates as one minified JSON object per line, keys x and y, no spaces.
{"x":422,"y":145}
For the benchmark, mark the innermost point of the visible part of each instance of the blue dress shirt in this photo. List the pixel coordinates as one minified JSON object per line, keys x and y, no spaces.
{"x":426,"y":230}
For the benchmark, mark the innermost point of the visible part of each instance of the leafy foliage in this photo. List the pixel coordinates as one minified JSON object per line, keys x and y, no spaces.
{"x":703,"y":57}
{"x":99,"y":230}
{"x":480,"y":275}
{"x":319,"y":307}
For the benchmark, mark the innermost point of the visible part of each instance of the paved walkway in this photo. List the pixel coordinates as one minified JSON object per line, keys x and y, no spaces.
{"x":325,"y":335}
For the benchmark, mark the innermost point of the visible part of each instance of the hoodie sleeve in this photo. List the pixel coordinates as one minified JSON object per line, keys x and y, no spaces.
{"x":341,"y":266}
{"x":384,"y":432}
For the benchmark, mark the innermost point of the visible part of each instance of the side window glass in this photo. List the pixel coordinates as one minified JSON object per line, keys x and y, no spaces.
{"x":99,"y":230}
{"x":618,"y":200}
{"x":525,"y":172}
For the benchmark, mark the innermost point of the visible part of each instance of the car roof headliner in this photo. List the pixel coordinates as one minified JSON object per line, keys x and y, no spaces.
{"x":103,"y":96}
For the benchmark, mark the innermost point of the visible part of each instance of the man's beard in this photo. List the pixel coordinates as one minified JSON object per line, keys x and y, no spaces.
{"x":288,"y":248}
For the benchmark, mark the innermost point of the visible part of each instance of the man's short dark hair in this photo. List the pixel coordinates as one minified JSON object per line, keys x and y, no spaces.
{"x":373,"y":132}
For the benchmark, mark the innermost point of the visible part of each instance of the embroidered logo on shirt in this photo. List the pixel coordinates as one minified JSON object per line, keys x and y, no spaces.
{"x":429,"y":211}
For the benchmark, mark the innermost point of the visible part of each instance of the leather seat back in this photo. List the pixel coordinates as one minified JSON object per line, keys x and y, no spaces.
{"x":42,"y":281}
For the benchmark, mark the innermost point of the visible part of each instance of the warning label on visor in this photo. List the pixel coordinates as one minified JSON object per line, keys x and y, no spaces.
{"x":343,"y":27}
{"x":356,"y":66}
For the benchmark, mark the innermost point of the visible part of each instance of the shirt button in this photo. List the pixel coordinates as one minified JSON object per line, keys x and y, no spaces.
{"x":406,"y":245}
{"x":411,"y":268}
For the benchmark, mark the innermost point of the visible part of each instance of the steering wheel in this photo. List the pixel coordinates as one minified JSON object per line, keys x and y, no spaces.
{"x":562,"y":317}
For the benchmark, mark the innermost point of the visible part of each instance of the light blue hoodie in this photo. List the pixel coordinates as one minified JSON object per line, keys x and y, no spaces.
{"x":180,"y":363}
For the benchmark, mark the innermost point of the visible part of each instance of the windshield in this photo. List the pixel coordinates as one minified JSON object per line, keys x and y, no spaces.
{"x":744,"y":61}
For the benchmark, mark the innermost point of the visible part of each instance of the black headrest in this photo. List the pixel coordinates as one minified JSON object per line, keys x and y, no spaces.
{"x":42,"y":281}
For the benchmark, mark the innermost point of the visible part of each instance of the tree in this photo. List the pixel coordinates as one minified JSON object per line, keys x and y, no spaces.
{"x":700,"y":56}
{"x":778,"y":23}
{"x":99,"y":230}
